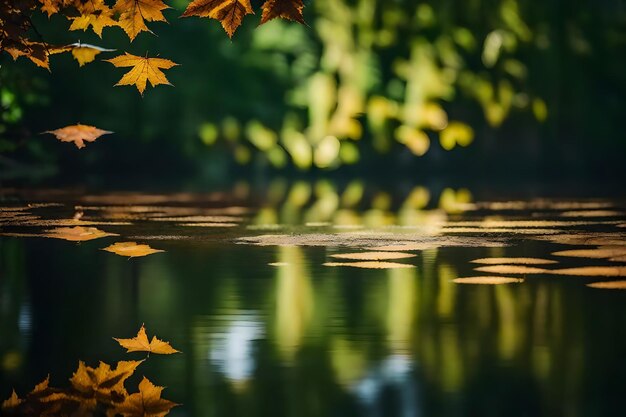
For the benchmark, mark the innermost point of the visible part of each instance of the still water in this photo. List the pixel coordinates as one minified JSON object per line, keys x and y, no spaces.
{"x":311,"y":299}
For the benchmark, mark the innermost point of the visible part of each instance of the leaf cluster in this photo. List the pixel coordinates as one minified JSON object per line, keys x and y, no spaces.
{"x":98,"y":391}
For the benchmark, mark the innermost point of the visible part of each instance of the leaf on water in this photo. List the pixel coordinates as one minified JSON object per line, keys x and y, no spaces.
{"x":277,"y":264}
{"x":229,"y":12}
{"x":103,"y":381}
{"x":370,"y":265}
{"x":145,"y":403}
{"x":131,"y":249}
{"x":609,"y":285}
{"x":209,"y":224}
{"x":599,"y":253}
{"x":373,"y":256}
{"x":519,"y":261}
{"x":135,"y":13}
{"x":85,"y":53}
{"x":618,"y":259}
{"x":12,"y":402}
{"x":590,"y":239}
{"x":593,"y":213}
{"x":143,"y":70}
{"x":512,"y":269}
{"x":487,"y":280}
{"x":79,"y":134}
{"x":286,"y":9}
{"x":593,"y":271}
{"x":77,"y":234}
{"x":512,"y":230}
{"x":140,"y":343}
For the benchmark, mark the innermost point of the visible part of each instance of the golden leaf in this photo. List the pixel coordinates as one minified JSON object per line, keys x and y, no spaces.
{"x":78,"y":134}
{"x":487,"y":280}
{"x":370,"y":265}
{"x":77,"y":234}
{"x":103,"y":381}
{"x":143,"y":70}
{"x":140,"y":343}
{"x":85,"y":53}
{"x":373,"y":256}
{"x":94,"y":13}
{"x":286,"y":9}
{"x":12,"y":402}
{"x":145,"y":403}
{"x":229,"y":12}
{"x":134,"y":13}
{"x":514,"y":261}
{"x":609,"y":285}
{"x":131,"y":249}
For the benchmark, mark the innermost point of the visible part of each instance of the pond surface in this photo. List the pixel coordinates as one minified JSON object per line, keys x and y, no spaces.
{"x":310,"y":299}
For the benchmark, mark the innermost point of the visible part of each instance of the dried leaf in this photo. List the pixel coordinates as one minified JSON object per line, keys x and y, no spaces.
{"x":143,"y":70}
{"x":78,"y":134}
{"x":131,"y":249}
{"x":487,"y":280}
{"x":146,"y":403}
{"x":229,"y":12}
{"x":103,"y":381}
{"x":77,"y":234}
{"x":140,"y":343}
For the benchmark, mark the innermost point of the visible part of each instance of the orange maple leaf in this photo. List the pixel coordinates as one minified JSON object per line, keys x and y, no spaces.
{"x":145,"y":403}
{"x":229,"y":12}
{"x":135,"y":13}
{"x":94,"y":13}
{"x":103,"y":381}
{"x":85,"y":53}
{"x":131,"y":249}
{"x":286,"y":9}
{"x":12,"y":402}
{"x":143,"y":70}
{"x":78,"y":134}
{"x":140,"y":343}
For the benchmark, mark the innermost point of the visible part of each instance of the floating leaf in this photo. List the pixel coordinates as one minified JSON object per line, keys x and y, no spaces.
{"x":229,"y":12}
{"x":146,"y":403}
{"x":370,"y":265}
{"x":512,"y":269}
{"x":593,"y":213}
{"x":593,"y":271}
{"x":143,"y":70}
{"x":609,"y":285}
{"x":140,"y":343}
{"x":593,"y":253}
{"x":373,"y":256}
{"x":131,"y":249}
{"x":517,"y":261}
{"x":77,"y":234}
{"x":487,"y":280}
{"x":78,"y":134}
{"x":618,"y":259}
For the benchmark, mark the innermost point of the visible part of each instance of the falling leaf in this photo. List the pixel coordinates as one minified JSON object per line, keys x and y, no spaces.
{"x":487,"y":280}
{"x":593,"y":271}
{"x":140,"y":343}
{"x":517,"y":261}
{"x":512,"y":269}
{"x":593,"y":253}
{"x":286,"y":9}
{"x":77,"y":234}
{"x":145,"y":403}
{"x":229,"y":12}
{"x":373,"y":256}
{"x":103,"y":381}
{"x":85,"y":53}
{"x":135,"y":13}
{"x":131,"y":249}
{"x":370,"y":265}
{"x":609,"y":285}
{"x":12,"y":402}
{"x":78,"y":134}
{"x":143,"y":70}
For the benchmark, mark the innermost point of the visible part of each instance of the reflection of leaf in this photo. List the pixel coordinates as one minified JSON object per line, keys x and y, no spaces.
{"x":77,"y":234}
{"x":373,"y":256}
{"x":593,"y":253}
{"x":131,"y":249}
{"x":144,"y":69}
{"x":609,"y":285}
{"x":145,"y":403}
{"x":370,"y":265}
{"x":140,"y":343}
{"x":522,"y":261}
{"x":103,"y":381}
{"x":78,"y":134}
{"x":229,"y":12}
{"x":487,"y":280}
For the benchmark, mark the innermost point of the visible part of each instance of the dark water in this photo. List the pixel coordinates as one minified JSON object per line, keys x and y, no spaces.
{"x":269,"y":330}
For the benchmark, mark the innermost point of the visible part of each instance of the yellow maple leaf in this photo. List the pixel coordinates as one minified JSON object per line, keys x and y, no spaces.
{"x":135,"y":13}
{"x":103,"y":381}
{"x":131,"y":249}
{"x":145,"y":403}
{"x":143,"y":70}
{"x":140,"y":343}
{"x":78,"y":134}
{"x":229,"y":12}
{"x":85,"y":53}
{"x":94,"y":13}
{"x":286,"y":9}
{"x":77,"y":234}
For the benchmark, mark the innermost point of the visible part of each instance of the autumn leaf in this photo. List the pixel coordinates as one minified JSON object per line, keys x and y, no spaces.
{"x":12,"y":402}
{"x":94,"y":13}
{"x":103,"y":381}
{"x":77,"y":234}
{"x":229,"y":12}
{"x":286,"y":9}
{"x":85,"y":53}
{"x":145,"y":403}
{"x":140,"y":343}
{"x":78,"y":134}
{"x":134,"y":13}
{"x":143,"y":70}
{"x":131,"y":249}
